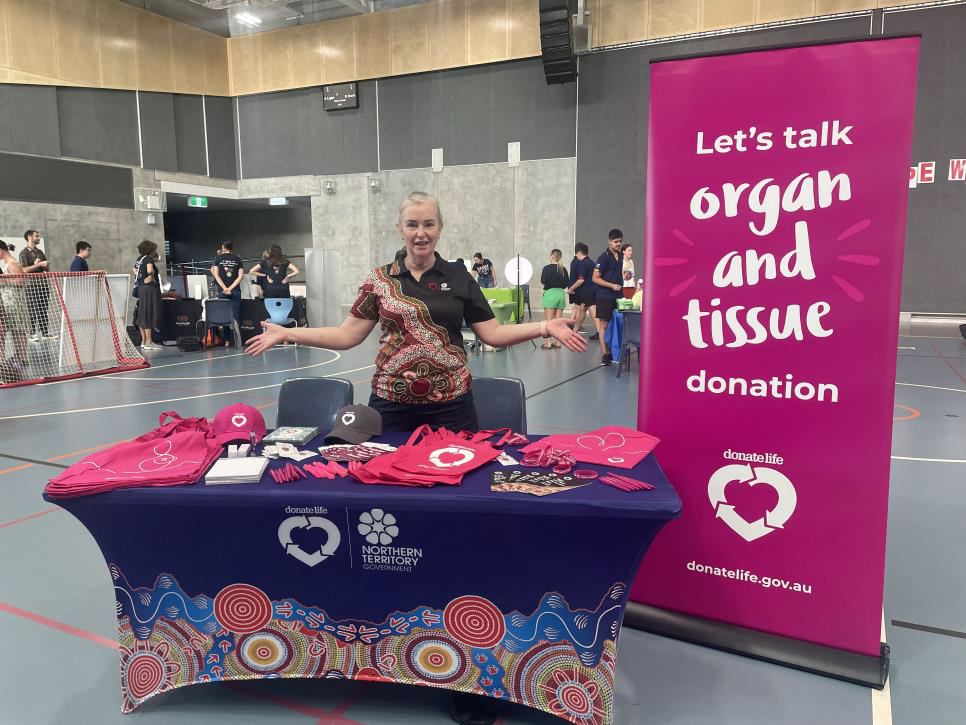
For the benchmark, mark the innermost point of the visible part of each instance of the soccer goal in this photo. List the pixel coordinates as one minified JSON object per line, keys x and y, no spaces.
{"x":63,"y":325}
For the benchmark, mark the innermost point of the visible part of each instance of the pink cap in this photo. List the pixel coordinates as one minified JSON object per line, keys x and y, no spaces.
{"x":238,"y":422}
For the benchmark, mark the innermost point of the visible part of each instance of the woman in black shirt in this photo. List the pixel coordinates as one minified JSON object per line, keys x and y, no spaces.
{"x":554,"y":279}
{"x":420,"y":300}
{"x":148,"y":314}
{"x":274,"y":272}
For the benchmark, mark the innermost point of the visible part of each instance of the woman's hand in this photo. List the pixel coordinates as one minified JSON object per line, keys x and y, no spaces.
{"x":273,"y":335}
{"x":561,"y":329}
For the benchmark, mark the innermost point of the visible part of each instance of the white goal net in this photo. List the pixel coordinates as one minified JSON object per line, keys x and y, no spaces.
{"x":62,"y":325}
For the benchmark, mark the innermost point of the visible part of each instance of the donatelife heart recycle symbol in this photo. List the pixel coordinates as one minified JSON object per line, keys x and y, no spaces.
{"x":239,"y":419}
{"x":774,"y":519}
{"x":309,"y":558}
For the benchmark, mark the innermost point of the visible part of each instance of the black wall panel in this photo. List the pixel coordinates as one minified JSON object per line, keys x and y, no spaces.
{"x":28,"y":120}
{"x":158,"y":136}
{"x":935,"y":260}
{"x":472,"y":113}
{"x":220,"y":114}
{"x":612,"y":120}
{"x":288,"y":133}
{"x":189,"y":129}
{"x":96,"y":124}
{"x":57,"y":181}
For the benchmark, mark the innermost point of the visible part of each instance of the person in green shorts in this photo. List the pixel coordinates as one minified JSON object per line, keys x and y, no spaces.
{"x":555,"y":280}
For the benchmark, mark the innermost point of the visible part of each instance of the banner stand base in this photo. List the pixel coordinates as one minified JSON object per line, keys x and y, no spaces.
{"x":806,"y":656}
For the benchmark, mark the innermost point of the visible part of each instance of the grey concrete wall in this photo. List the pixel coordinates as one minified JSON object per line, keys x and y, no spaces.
{"x":114,"y":233}
{"x":491,"y":208}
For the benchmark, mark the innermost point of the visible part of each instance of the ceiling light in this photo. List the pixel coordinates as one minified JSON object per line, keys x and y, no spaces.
{"x":248,"y":20}
{"x":278,"y":201}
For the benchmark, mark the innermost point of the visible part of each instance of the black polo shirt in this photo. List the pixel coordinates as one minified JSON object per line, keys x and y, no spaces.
{"x":612,"y":271}
{"x":421,"y":357}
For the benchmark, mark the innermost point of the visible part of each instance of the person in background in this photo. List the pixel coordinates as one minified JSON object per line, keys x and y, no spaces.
{"x":276,"y":271}
{"x":608,"y":276}
{"x":629,"y":285}
{"x":227,"y":271}
{"x":555,"y":280}
{"x":582,"y":289}
{"x":483,"y":271}
{"x":420,"y":300}
{"x":147,"y":280}
{"x":13,"y":315}
{"x":83,"y":253}
{"x":34,"y":261}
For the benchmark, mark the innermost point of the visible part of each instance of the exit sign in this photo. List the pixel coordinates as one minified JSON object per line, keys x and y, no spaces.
{"x":201,"y":202}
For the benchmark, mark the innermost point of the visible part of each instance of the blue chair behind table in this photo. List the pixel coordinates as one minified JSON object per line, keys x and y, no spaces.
{"x":312,"y":401}
{"x":218,"y":314}
{"x":631,"y":338}
{"x":279,"y":309}
{"x":500,"y":402}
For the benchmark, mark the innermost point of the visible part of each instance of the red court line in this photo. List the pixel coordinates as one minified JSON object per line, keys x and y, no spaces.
{"x":32,"y":516}
{"x":947,"y":361}
{"x":913,"y":413}
{"x":59,"y":626}
{"x":16,"y":468}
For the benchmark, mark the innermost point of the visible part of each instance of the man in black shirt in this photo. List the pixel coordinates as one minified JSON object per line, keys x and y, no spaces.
{"x":227,"y":271}
{"x":609,"y":278}
{"x":483,"y":269}
{"x":34,"y":261}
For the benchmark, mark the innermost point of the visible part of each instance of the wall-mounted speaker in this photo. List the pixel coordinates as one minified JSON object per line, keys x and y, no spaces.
{"x":557,"y":40}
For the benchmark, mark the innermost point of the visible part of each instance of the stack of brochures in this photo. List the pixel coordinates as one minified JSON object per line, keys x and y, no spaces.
{"x":236,"y":470}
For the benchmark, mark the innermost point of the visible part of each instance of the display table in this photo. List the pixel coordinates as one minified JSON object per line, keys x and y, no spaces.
{"x":509,"y":595}
{"x":511,"y":296}
{"x":179,"y":316}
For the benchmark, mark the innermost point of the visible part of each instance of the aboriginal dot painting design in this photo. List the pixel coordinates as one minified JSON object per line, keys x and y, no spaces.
{"x":558,"y":660}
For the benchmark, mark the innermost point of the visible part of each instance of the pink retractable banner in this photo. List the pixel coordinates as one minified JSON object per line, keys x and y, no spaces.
{"x":776,"y":216}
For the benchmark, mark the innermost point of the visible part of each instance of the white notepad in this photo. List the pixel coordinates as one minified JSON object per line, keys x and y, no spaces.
{"x":236,"y":470}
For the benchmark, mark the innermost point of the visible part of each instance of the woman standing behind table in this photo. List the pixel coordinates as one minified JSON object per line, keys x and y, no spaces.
{"x":420,"y":300}
{"x":274,"y":272}
{"x":555,"y":280}
{"x":148,"y":314}
{"x":630,"y":283}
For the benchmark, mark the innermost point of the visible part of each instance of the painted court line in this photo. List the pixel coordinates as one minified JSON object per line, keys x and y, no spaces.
{"x":929,"y":460}
{"x":237,"y":375}
{"x":930,"y":630}
{"x":59,"y":626}
{"x":32,"y":516}
{"x":169,"y":400}
{"x":948,"y":362}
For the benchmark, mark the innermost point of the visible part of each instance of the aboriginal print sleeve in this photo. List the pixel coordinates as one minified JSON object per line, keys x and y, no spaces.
{"x":418,"y":362}
{"x":366,"y":306}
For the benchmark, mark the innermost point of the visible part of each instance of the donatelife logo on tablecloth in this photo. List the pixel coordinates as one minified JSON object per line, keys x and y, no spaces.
{"x":776,"y":200}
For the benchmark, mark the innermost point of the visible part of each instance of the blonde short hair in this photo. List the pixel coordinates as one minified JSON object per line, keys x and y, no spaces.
{"x":415,"y":198}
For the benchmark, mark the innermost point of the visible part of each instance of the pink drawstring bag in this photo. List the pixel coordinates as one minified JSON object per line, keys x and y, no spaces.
{"x":177,"y":452}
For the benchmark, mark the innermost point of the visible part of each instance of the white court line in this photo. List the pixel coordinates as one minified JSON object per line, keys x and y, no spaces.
{"x":932,"y":337}
{"x":168,"y":400}
{"x":882,"y":699}
{"x":932,"y":387}
{"x":156,"y":367}
{"x":901,"y":347}
{"x":337,"y":357}
{"x":926,"y":460}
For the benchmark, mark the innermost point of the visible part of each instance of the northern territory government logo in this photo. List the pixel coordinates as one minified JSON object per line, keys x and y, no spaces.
{"x":379,"y":531}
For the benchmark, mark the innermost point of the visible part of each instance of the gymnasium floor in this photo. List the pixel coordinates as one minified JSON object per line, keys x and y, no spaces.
{"x":57,"y":624}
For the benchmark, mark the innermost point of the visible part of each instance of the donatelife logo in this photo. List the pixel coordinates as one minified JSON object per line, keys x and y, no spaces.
{"x":325,"y":550}
{"x":773,"y":519}
{"x":379,"y":529}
